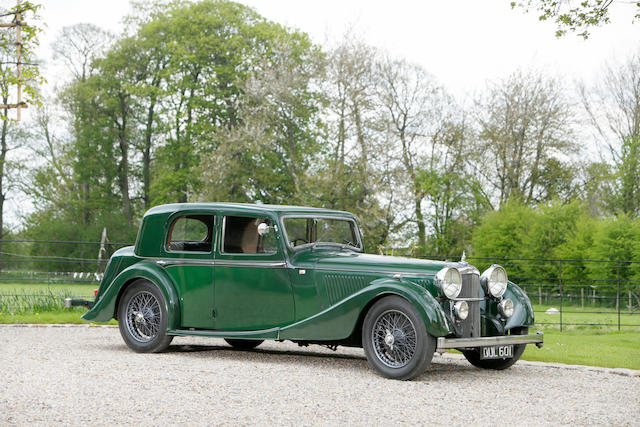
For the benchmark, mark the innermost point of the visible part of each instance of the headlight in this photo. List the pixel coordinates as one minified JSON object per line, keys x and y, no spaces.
{"x":506,"y":307}
{"x":494,"y":281}
{"x":449,"y":281}
{"x":461,"y":309}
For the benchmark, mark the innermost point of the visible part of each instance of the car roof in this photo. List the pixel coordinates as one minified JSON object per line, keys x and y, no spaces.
{"x":243,"y":207}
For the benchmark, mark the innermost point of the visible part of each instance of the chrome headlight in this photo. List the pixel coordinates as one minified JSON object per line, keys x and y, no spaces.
{"x":494,"y":281}
{"x":461,"y":309}
{"x":449,"y":281}
{"x":506,"y":307}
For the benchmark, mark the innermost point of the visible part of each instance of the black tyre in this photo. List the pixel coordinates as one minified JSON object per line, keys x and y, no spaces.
{"x":395,"y":339}
{"x":241,"y":344}
{"x":142,"y":318}
{"x":473,"y":356}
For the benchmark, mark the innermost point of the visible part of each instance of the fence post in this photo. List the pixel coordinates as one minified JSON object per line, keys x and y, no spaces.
{"x":630,"y":303}
{"x":582,"y":297}
{"x":561,"y":294}
{"x":540,"y":295}
{"x":618,"y":296}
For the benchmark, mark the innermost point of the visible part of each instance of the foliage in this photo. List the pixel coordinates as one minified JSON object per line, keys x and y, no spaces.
{"x":31,"y":77}
{"x":209,"y":101}
{"x":569,"y":16}
{"x":524,"y":129}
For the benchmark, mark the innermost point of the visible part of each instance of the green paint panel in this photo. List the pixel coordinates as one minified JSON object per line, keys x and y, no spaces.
{"x":250,"y":298}
{"x":195,"y":286}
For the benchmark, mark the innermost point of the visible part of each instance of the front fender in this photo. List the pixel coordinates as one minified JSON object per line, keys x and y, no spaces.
{"x":105,"y":308}
{"x":339,"y":321}
{"x":523,"y":312}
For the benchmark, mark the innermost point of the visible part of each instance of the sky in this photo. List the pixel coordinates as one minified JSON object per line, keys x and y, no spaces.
{"x":463,"y":43}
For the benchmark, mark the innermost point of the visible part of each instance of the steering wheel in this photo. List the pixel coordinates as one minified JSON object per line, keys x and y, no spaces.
{"x":294,"y":242}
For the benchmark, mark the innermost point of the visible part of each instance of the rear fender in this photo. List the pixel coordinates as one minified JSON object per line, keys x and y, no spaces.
{"x":105,"y":307}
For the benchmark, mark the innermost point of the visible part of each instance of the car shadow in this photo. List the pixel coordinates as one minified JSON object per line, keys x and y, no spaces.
{"x":192,"y":348}
{"x":441,"y":369}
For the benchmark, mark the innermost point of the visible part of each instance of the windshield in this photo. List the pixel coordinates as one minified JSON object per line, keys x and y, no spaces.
{"x":305,"y":231}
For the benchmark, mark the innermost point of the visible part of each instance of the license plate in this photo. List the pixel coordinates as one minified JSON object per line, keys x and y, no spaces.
{"x":496,"y":352}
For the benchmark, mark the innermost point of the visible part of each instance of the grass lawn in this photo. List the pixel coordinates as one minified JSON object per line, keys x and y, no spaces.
{"x":62,"y":316}
{"x":80,"y":290}
{"x":589,"y":346}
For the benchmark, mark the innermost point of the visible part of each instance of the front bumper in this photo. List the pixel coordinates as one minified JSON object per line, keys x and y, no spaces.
{"x":445,"y":343}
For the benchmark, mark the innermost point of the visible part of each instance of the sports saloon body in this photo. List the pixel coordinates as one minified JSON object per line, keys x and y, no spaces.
{"x":249,"y":273}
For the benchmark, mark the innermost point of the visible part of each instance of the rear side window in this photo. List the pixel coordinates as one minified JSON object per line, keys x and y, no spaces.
{"x":241,"y":236}
{"x":191,"y":233}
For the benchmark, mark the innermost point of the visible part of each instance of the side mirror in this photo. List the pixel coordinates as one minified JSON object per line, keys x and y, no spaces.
{"x":263,"y":228}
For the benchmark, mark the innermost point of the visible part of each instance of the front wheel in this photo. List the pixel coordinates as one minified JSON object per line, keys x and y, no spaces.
{"x":473,"y":356}
{"x":395,"y":339}
{"x":142,"y":318}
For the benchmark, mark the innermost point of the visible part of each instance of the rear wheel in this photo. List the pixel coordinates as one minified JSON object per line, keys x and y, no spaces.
{"x":473,"y":356}
{"x":395,"y":339}
{"x":241,"y":344}
{"x":142,"y":318}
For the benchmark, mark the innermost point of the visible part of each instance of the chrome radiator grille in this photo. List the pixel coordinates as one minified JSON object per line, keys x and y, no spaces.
{"x":470,"y":327}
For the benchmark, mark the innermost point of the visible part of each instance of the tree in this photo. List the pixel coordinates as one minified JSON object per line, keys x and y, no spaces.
{"x":355,"y":169}
{"x":267,"y":155}
{"x":453,"y":197}
{"x":525,"y":131}
{"x":613,"y":106}
{"x":573,"y":17}
{"x":78,"y":46}
{"x":415,"y":109}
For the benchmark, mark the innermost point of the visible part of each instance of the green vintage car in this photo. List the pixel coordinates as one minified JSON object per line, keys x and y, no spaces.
{"x":247,"y":273}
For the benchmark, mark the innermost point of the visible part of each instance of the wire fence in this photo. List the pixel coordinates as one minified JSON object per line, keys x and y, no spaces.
{"x":565,"y":293}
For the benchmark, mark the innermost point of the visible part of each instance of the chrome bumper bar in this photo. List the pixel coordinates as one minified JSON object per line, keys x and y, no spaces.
{"x":445,"y":343}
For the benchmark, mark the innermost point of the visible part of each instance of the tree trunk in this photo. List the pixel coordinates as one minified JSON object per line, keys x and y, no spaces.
{"x":146,"y":152}
{"x":124,"y":161}
{"x":3,"y":156}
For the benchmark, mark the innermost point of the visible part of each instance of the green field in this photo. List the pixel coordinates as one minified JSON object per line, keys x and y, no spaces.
{"x":576,"y":317}
{"x":611,"y":349}
{"x":582,"y":345}
{"x":81,"y":290}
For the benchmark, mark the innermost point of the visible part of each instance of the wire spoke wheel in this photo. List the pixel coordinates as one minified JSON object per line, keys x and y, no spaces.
{"x":394,"y":338}
{"x":143,"y":316}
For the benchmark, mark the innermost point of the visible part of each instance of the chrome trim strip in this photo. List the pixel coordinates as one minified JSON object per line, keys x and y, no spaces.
{"x":193,"y":262}
{"x":220,"y":263}
{"x":258,"y":264}
{"x":467,"y":299}
{"x":444,"y":343}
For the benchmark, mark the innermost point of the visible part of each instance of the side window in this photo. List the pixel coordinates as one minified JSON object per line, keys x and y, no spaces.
{"x":241,"y":236}
{"x":191,"y":233}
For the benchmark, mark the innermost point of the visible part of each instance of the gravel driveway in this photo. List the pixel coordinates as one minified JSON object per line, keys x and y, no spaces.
{"x":85,"y":375}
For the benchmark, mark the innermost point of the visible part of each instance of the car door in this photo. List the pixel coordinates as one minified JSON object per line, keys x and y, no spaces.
{"x":252,"y":287}
{"x":188,"y":259}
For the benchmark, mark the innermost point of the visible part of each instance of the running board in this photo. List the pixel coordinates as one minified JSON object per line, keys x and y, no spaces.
{"x":273,"y":333}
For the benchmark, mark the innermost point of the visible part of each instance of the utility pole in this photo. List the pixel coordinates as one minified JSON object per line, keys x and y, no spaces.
{"x":17,"y":23}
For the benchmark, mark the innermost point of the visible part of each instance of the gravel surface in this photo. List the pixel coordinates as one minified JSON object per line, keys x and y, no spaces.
{"x":85,"y":375}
